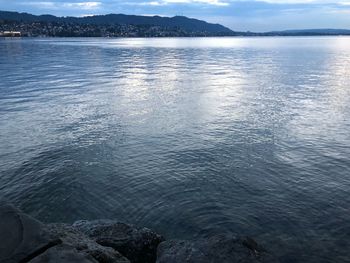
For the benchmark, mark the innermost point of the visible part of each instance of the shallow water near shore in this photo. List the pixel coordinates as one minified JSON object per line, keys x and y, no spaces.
{"x":187,"y":136}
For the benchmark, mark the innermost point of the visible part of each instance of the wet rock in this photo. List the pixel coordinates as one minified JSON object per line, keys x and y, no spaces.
{"x":251,"y":244}
{"x":22,"y":237}
{"x":26,"y":240}
{"x":62,"y":254}
{"x":139,"y":245}
{"x":217,"y":249}
{"x":73,"y":238}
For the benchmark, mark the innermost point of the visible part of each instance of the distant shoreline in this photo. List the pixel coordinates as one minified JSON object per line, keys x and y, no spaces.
{"x":103,"y":37}
{"x":120,"y":25}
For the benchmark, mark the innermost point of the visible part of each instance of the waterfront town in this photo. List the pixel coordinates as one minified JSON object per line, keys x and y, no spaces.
{"x":63,"y":29}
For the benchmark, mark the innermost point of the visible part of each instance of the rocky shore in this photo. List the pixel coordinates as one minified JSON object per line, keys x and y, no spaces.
{"x":25,"y":239}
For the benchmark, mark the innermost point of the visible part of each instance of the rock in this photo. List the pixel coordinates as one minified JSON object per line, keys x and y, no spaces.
{"x":73,"y":238}
{"x":217,"y":249}
{"x":139,"y":245}
{"x":251,"y":244}
{"x":62,"y":254}
{"x":22,"y":237}
{"x":26,"y":240}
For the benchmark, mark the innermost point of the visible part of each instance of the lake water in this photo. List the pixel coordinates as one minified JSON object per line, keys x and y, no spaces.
{"x":189,"y":137}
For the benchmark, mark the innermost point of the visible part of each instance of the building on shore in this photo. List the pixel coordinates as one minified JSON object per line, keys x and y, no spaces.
{"x":10,"y":34}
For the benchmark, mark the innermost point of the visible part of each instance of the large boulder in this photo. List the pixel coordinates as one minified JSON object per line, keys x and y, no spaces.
{"x":62,"y":254}
{"x":217,"y":249}
{"x":22,"y":237}
{"x":73,"y":238}
{"x":139,"y":245}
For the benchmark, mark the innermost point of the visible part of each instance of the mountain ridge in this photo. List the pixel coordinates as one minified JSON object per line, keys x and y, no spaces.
{"x":185,"y":23}
{"x":122,"y":25}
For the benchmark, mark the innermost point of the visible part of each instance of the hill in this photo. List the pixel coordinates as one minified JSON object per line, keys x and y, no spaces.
{"x":180,"y":23}
{"x":120,"y":25}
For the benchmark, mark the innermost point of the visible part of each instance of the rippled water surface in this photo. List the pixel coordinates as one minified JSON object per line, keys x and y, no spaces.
{"x":189,"y":137}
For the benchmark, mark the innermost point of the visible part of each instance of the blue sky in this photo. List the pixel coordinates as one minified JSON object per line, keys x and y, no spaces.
{"x":237,"y":14}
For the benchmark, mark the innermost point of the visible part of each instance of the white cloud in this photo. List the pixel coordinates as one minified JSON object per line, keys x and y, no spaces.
{"x":167,"y":2}
{"x":83,"y":5}
{"x":40,"y":4}
{"x":152,"y":3}
{"x":57,"y":5}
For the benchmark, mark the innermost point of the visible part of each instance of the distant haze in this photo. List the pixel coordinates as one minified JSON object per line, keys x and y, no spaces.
{"x":238,"y":15}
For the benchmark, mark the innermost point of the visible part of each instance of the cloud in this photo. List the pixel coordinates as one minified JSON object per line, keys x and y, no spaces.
{"x":60,"y":5}
{"x":207,"y":2}
{"x":182,"y":2}
{"x":83,"y":5}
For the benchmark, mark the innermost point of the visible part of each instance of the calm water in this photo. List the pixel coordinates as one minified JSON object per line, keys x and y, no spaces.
{"x":189,"y":137}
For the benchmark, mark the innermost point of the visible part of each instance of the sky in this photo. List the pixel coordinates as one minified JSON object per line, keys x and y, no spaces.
{"x":239,"y":15}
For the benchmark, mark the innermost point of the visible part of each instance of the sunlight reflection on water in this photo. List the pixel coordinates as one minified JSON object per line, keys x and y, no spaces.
{"x":187,"y":136}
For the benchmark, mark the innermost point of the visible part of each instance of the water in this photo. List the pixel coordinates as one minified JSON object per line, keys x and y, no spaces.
{"x":189,"y":137}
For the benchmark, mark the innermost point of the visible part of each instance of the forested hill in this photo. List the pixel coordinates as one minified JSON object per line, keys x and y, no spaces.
{"x":185,"y":24}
